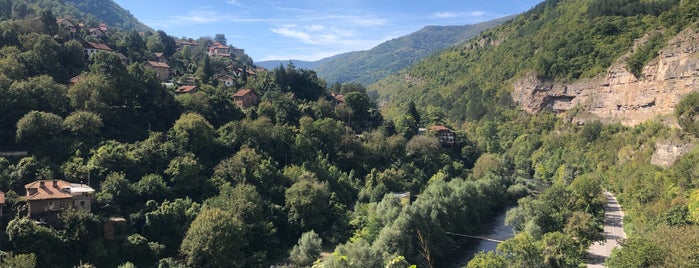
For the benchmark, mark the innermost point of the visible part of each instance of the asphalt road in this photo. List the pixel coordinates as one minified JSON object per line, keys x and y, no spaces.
{"x":613,"y":231}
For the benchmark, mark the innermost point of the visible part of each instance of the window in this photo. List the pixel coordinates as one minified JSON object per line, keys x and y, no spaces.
{"x":82,"y":203}
{"x":51,"y":204}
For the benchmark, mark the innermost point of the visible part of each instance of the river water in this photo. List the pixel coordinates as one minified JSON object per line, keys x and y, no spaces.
{"x":498,"y":230}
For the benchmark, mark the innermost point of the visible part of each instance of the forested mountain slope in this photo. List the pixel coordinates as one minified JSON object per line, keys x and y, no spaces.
{"x":367,"y":67}
{"x":93,"y":11}
{"x":558,"y":42}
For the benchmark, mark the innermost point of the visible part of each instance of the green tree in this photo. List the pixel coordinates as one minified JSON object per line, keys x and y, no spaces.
{"x":255,"y":214}
{"x":185,"y":175}
{"x":215,"y":239}
{"x":307,"y":202}
{"x":686,"y":112}
{"x":83,"y":232}
{"x":49,"y":22}
{"x":8,"y":259}
{"x":169,"y":222}
{"x":27,"y":236}
{"x":488,"y":259}
{"x":306,"y":250}
{"x":117,"y":193}
{"x":637,"y":252}
{"x":84,"y":129}
{"x":41,"y":132}
{"x":192,"y":133}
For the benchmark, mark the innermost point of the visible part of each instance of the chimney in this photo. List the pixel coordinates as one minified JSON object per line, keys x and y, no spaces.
{"x":41,"y":184}
{"x":55,"y":184}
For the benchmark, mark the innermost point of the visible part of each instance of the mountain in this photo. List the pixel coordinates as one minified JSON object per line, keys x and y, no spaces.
{"x":271,"y":64}
{"x":369,"y":66}
{"x":551,"y":56}
{"x":106,"y":11}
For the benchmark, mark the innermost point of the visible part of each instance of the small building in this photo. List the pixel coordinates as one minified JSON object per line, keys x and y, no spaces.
{"x":161,"y":69}
{"x":97,"y":32}
{"x":226,"y":80}
{"x":160,"y":57}
{"x":339,"y":99}
{"x":92,"y":48}
{"x":445,"y":135}
{"x":185,"y":43}
{"x":68,"y":25}
{"x":189,"y":89}
{"x":219,"y":50}
{"x":246,"y":98}
{"x":2,"y":202}
{"x":75,"y":79}
{"x":52,"y":196}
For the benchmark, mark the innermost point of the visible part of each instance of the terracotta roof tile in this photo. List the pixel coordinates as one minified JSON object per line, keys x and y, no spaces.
{"x":98,"y":46}
{"x":243,"y":92}
{"x":439,"y":128}
{"x":158,"y":64}
{"x":186,"y":89}
{"x":47,"y":189}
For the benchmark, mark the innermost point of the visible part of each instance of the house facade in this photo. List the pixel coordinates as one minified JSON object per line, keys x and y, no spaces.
{"x":45,"y":197}
{"x":445,"y":135}
{"x":226,"y":80}
{"x":91,"y":48}
{"x":246,"y":98}
{"x":161,"y":69}
{"x":219,"y":50}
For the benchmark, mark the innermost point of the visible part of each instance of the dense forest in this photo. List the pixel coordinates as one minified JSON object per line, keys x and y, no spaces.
{"x":316,"y":175}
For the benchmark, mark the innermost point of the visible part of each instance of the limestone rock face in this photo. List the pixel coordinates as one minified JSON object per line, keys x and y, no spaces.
{"x":617,"y":95}
{"x":667,"y":152}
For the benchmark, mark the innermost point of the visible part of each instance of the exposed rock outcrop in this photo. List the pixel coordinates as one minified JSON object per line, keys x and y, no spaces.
{"x":617,"y":95}
{"x":667,"y":152}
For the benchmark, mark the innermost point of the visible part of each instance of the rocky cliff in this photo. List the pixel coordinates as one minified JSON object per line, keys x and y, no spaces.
{"x":617,"y":95}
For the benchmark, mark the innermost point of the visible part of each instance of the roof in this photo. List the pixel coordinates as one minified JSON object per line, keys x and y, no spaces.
{"x":158,"y":54}
{"x":338,"y":97}
{"x":186,"y":89}
{"x":2,"y":197}
{"x":76,"y":78}
{"x":97,"y":46}
{"x":54,"y":189}
{"x":158,"y":64}
{"x":440,"y":128}
{"x":243,"y":92}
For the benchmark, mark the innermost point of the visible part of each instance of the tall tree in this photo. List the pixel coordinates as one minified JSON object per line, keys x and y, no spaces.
{"x":215,"y":239}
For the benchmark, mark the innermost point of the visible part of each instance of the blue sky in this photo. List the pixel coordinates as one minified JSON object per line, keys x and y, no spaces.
{"x":312,"y":29}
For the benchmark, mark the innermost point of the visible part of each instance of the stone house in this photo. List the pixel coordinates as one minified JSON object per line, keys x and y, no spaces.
{"x":46,"y":197}
{"x":246,"y":98}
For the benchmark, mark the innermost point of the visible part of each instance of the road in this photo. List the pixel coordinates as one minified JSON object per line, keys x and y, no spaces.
{"x":613,"y":231}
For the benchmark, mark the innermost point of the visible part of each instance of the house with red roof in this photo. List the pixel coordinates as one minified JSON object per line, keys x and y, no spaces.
{"x":445,"y":135}
{"x":161,"y":69}
{"x":246,"y":98}
{"x":92,"y":48}
{"x":219,"y":50}
{"x":68,"y":25}
{"x":46,"y":197}
{"x":187,"y":89}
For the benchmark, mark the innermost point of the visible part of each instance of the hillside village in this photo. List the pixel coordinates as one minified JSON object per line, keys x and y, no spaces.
{"x":177,"y":79}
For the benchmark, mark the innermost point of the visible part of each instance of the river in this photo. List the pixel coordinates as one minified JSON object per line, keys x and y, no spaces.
{"x":498,"y":230}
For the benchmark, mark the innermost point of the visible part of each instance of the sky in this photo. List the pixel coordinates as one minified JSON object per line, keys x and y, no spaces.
{"x":312,"y":29}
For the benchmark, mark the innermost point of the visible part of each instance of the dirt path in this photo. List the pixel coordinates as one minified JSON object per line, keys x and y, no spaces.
{"x":613,"y":231}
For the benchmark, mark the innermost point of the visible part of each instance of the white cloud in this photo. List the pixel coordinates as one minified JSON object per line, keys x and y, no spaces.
{"x":289,"y":31}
